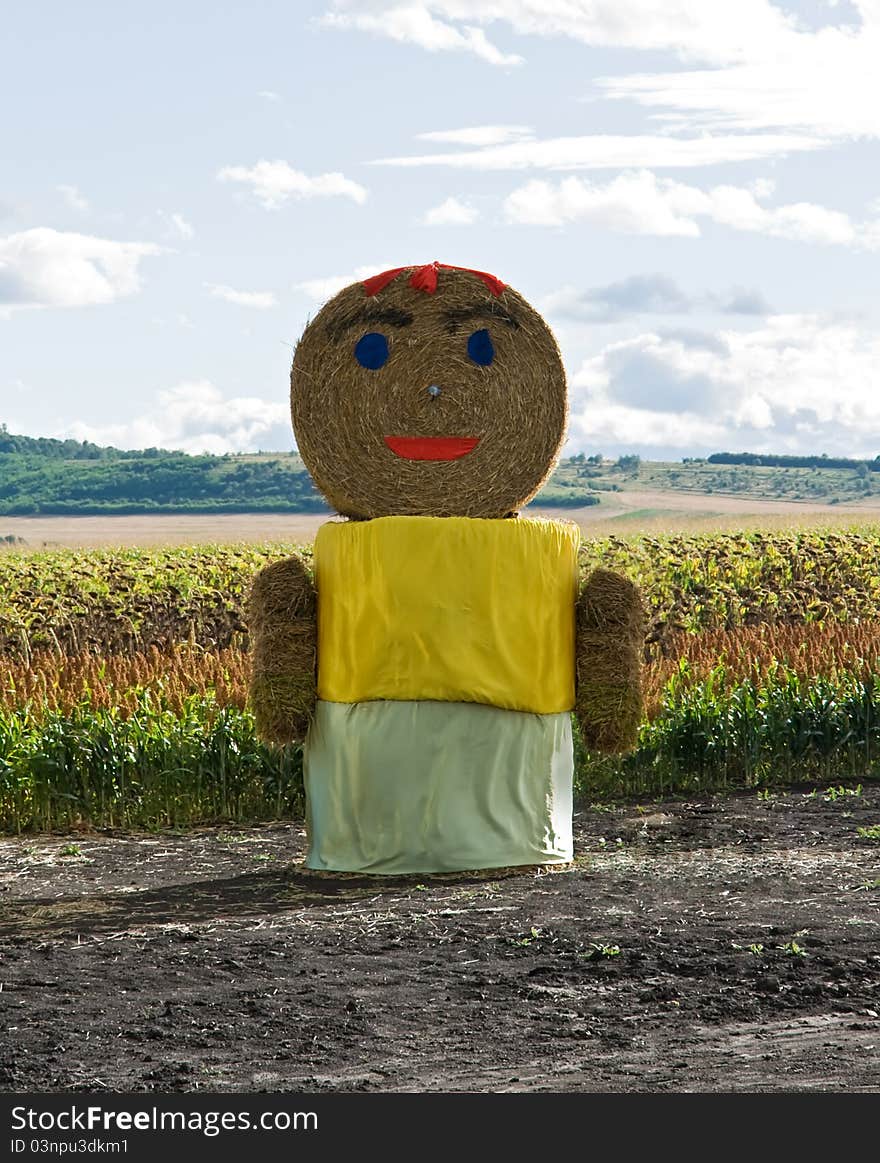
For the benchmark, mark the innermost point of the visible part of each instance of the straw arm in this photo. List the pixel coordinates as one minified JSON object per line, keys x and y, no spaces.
{"x":282,"y":623}
{"x":609,"y":645}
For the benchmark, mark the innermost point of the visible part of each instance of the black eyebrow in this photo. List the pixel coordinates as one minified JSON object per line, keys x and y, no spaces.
{"x":456,"y":315}
{"x":393,"y":316}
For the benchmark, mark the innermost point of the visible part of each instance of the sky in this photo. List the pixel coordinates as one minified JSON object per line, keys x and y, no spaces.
{"x":689,"y":191}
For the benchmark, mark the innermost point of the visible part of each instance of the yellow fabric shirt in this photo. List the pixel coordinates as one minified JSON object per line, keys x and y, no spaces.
{"x":456,"y":609}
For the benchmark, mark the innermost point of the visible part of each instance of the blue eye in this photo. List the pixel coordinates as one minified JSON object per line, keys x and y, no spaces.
{"x":371,"y":350}
{"x":480,"y":348}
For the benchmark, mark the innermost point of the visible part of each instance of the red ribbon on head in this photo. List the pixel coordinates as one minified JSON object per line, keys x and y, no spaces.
{"x":425,"y":278}
{"x":378,"y":282}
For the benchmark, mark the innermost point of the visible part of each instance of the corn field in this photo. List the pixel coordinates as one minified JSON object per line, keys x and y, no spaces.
{"x":154,"y":768}
{"x":124,"y":600}
{"x":123,"y":678}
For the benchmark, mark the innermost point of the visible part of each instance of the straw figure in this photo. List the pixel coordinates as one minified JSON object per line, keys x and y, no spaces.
{"x":431,"y":659}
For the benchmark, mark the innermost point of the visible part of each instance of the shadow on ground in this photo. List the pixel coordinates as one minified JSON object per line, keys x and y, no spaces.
{"x":255,"y":894}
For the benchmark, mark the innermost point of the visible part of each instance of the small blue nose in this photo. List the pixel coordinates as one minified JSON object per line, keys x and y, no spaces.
{"x":434,"y":390}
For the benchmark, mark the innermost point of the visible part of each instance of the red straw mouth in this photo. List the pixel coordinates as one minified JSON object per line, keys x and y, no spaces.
{"x":432,"y":447}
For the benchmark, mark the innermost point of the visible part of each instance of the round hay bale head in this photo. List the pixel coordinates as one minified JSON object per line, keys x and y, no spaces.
{"x":430,"y":391}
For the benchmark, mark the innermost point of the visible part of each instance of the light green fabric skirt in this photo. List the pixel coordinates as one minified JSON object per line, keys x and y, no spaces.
{"x":397,"y":787}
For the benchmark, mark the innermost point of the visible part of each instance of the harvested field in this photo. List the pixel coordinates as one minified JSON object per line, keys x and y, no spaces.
{"x":629,"y":511}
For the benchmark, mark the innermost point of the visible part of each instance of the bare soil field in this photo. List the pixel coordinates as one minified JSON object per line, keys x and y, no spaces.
{"x":625,"y":512}
{"x":224,"y":528}
{"x":669,"y":511}
{"x":714,"y":944}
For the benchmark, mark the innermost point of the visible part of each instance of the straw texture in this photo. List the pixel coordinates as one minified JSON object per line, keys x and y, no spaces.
{"x":282,"y":624}
{"x":609,"y":644}
{"x":514,"y":405}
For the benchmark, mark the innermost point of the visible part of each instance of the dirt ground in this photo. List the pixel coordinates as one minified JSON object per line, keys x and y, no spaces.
{"x":718,"y":944}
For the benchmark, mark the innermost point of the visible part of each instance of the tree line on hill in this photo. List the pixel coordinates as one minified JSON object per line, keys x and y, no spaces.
{"x":771,"y":460}
{"x":40,"y":476}
{"x":47,"y":446}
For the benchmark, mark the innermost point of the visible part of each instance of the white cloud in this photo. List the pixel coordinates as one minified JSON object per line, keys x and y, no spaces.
{"x":273,"y":183}
{"x":413,"y":23}
{"x":327,"y":286}
{"x":452,"y":212}
{"x":609,"y":151}
{"x":638,"y":294}
{"x":184,"y":229}
{"x":259,"y":299}
{"x":802,"y":221}
{"x":640,"y":203}
{"x":738,"y":301}
{"x":654,"y":294}
{"x":825,"y":83}
{"x":194,"y":416}
{"x":763,"y":187}
{"x":482,"y":135}
{"x":269,"y":95}
{"x":795,"y":384}
{"x":762,"y":66}
{"x":73,"y":198}
{"x":175,"y":226}
{"x":634,"y":203}
{"x":52,"y":268}
{"x":713,"y":32}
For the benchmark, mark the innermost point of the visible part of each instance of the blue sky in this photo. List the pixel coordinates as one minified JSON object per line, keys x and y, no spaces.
{"x":688,"y":189}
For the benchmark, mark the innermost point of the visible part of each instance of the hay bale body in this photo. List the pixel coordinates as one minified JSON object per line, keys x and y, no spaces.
{"x":430,"y":385}
{"x":609,"y":643}
{"x":432,"y":392}
{"x":281,"y":614}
